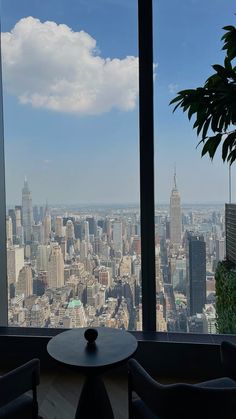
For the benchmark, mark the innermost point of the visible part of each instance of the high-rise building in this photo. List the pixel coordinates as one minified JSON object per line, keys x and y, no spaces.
{"x":220,"y":250}
{"x":136,"y":245}
{"x":15,"y":261}
{"x":175,"y":216}
{"x":27,"y":212}
{"x":37,"y":232}
{"x":19,"y":239}
{"x":70,"y":233}
{"x":36,"y":214}
{"x":107,"y":228}
{"x":178,"y":273}
{"x":47,"y":228}
{"x":55,"y":267}
{"x":196,"y":273}
{"x":18,"y":212}
{"x":12,"y":214}
{"x":92,"y":225}
{"x":9,"y":231}
{"x":104,"y":277}
{"x":117,"y":236}
{"x":230,"y":231}
{"x":25,"y":282}
{"x":86,"y":231}
{"x":59,"y":226}
{"x":78,"y":227}
{"x":43,"y":253}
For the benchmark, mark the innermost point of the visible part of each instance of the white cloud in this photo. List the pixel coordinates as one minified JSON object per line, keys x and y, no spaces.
{"x":50,"y":66}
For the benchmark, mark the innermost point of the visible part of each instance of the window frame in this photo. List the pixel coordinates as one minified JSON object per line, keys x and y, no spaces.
{"x":3,"y":249}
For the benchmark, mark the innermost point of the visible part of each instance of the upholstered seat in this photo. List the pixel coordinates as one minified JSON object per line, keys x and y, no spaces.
{"x":215,"y":399}
{"x":228,"y":359}
{"x":14,"y":403}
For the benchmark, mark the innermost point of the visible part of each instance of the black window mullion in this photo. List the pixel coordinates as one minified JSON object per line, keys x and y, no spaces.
{"x":146,"y":132}
{"x":3,"y":251}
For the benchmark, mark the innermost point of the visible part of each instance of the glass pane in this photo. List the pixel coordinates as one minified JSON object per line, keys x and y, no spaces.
{"x":70,"y":76}
{"x":190,"y":191}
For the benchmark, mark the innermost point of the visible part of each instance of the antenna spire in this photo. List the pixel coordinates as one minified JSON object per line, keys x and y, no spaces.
{"x":175,"y":183}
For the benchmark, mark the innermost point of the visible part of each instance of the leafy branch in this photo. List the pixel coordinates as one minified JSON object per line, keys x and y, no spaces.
{"x":214,"y":105}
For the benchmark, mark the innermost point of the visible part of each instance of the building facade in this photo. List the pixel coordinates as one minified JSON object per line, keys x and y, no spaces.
{"x":27,"y":212}
{"x":175,"y":216}
{"x":230,"y":231}
{"x":196,"y":273}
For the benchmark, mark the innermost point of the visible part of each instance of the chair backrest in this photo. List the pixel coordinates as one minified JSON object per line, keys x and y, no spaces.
{"x":19,"y":381}
{"x":181,"y":401}
{"x":228,"y":359}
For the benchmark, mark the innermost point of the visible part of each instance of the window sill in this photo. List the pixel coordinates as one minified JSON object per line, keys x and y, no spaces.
{"x":162,"y":354}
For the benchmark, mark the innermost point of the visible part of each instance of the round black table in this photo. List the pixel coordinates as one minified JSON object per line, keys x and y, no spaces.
{"x":112,"y":347}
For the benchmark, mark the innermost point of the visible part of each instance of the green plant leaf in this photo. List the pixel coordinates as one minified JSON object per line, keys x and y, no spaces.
{"x":228,"y":144}
{"x":211,"y":145}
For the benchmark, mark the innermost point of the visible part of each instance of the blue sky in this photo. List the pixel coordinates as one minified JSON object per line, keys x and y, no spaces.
{"x":88,"y":154}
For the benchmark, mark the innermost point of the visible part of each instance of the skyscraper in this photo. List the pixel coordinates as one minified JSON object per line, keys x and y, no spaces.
{"x":9,"y":231}
{"x":12,"y":215}
{"x":36,"y":214}
{"x":230,"y":231}
{"x":42,"y":257}
{"x":15,"y":261}
{"x":86,"y":231}
{"x":59,"y":226}
{"x":25,"y":281}
{"x":196,"y":273}
{"x":55,"y":267}
{"x":70,"y":233}
{"x":117,"y":236}
{"x":47,"y":228}
{"x":220,"y":250}
{"x":175,"y":216}
{"x":19,"y":228}
{"x":27,"y":212}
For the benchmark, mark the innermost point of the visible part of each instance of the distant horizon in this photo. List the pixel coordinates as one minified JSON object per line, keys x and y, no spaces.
{"x":119,"y":204}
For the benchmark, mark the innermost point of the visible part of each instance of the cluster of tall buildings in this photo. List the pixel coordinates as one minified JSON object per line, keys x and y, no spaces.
{"x":190,"y":241}
{"x":73,"y":268}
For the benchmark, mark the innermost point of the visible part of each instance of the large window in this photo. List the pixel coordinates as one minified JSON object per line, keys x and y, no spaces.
{"x":78,"y":118}
{"x":70,"y":79}
{"x":190,"y":191}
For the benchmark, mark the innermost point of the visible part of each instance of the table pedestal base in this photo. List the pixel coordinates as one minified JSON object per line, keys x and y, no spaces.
{"x":94,"y":402}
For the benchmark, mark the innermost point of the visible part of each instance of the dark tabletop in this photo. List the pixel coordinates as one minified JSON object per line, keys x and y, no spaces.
{"x":112,"y":347}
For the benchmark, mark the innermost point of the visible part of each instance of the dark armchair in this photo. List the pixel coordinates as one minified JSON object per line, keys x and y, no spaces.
{"x":14,"y":403}
{"x":148,"y":399}
{"x":228,"y":359}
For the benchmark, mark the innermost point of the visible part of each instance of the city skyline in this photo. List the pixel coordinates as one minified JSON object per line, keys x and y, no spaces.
{"x":77,"y":268}
{"x":88,"y":153}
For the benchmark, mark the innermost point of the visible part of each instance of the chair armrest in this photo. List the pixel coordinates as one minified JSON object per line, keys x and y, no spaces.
{"x":153,"y":394}
{"x":20,"y":380}
{"x":216,"y":399}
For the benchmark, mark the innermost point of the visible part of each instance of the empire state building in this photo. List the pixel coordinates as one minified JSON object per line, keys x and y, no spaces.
{"x":175,"y":216}
{"x":27,"y":212}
